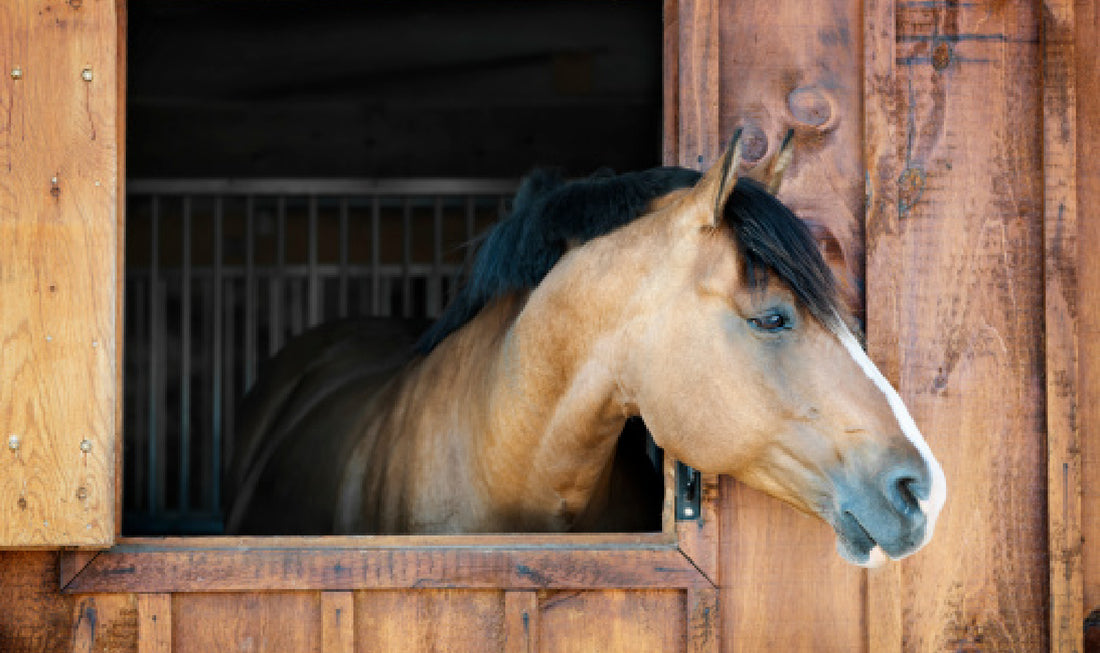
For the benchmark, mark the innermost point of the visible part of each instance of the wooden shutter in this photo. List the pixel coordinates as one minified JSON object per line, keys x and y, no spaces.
{"x":60,"y":126}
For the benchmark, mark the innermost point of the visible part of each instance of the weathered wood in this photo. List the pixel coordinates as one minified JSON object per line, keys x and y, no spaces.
{"x":267,"y":622}
{"x":1064,"y":470}
{"x":147,"y":569}
{"x":70,"y":563}
{"x":787,"y":64}
{"x":954,"y":287}
{"x":34,"y":616}
{"x":337,"y":622}
{"x":765,"y":551}
{"x":701,"y":607}
{"x":698,"y":538}
{"x":430,"y":620}
{"x":58,"y":242}
{"x":612,"y":620}
{"x":698,"y":139}
{"x":154,"y":627}
{"x":104,"y":623}
{"x":521,"y":625}
{"x":1087,"y":43}
{"x":882,"y":135}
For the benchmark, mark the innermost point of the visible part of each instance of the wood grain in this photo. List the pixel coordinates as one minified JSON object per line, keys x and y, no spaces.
{"x":268,"y":622}
{"x":785,"y":65}
{"x":613,"y":620}
{"x":430,"y":620}
{"x":154,"y":630}
{"x":954,"y":285}
{"x":521,"y":622}
{"x":337,"y":622}
{"x":1064,"y":469}
{"x":59,"y":280}
{"x":1087,"y":43}
{"x":147,"y":569}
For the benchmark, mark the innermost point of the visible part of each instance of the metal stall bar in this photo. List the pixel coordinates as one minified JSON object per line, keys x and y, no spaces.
{"x":216,"y":367}
{"x":435,"y":284}
{"x":185,"y":362}
{"x":375,"y":257}
{"x":343,"y":263}
{"x":275,"y":281}
{"x":406,"y":257}
{"x":313,"y":288}
{"x":155,"y":434}
{"x":250,"y":292}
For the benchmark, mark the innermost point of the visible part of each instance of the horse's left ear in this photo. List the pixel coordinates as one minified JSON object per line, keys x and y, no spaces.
{"x":717,"y":184}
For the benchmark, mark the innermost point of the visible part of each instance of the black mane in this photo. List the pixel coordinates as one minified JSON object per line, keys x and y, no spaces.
{"x":549,"y":213}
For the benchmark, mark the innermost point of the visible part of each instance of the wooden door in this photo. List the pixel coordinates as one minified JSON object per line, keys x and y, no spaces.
{"x":60,"y":163}
{"x":938,"y":148}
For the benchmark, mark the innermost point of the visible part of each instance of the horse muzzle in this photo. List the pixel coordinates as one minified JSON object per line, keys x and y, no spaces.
{"x":887,"y":516}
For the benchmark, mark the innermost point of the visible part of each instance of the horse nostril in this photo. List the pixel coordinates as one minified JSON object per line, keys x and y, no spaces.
{"x":906,"y":488}
{"x":908,"y":500}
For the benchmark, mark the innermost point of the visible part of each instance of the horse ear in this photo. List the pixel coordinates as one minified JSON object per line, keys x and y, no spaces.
{"x":717,"y":184}
{"x":780,"y":162}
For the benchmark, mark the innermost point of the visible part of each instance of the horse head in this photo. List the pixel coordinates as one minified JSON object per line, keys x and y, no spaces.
{"x":747,"y":364}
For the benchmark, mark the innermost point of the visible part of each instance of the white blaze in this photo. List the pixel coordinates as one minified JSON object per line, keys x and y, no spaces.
{"x":937,"y":495}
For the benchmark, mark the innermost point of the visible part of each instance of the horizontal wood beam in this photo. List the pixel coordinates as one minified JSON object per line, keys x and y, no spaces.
{"x":208,"y":569}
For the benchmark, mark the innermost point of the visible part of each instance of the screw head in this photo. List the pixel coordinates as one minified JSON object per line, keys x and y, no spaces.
{"x":13,"y":442}
{"x":86,"y":74}
{"x":85,"y":445}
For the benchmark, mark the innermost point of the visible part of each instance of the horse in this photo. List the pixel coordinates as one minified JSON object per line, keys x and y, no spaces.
{"x":697,"y":302}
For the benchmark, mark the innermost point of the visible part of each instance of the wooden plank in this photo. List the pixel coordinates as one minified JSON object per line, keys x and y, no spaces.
{"x":786,"y":64}
{"x":262,"y":622}
{"x":882,"y":139}
{"x":698,"y":538}
{"x":104,"y":624}
{"x":121,"y":24}
{"x":955,"y":249}
{"x":612,"y":620}
{"x":1064,"y":471}
{"x":698,"y":140}
{"x":34,"y":616}
{"x":1087,"y":27}
{"x":670,"y":103}
{"x":147,"y":569}
{"x":337,"y":622}
{"x":765,"y":580}
{"x":456,"y":621}
{"x":521,"y":626}
{"x":70,"y":563}
{"x":154,"y":632}
{"x":701,"y":607}
{"x":59,"y":242}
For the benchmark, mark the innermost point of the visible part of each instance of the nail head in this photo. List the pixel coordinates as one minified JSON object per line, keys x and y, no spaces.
{"x":85,"y":445}
{"x":17,"y":73}
{"x":13,"y":442}
{"x":86,"y":74}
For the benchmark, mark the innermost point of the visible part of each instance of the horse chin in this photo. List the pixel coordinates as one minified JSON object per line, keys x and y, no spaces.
{"x":856,"y":545}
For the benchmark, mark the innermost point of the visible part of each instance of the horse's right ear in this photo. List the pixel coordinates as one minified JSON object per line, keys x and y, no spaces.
{"x":717,"y":184}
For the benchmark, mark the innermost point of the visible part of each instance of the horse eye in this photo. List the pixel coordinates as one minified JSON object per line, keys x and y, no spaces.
{"x":771,"y":322}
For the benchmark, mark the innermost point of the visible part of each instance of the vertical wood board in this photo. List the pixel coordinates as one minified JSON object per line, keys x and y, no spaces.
{"x":955,"y":287}
{"x":1059,"y":94}
{"x":58,"y":273}
{"x":615,"y":620}
{"x":795,"y":65}
{"x":429,"y":620}
{"x":260,"y":622}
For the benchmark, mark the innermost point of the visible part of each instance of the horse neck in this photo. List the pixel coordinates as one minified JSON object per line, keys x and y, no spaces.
{"x":556,"y":406}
